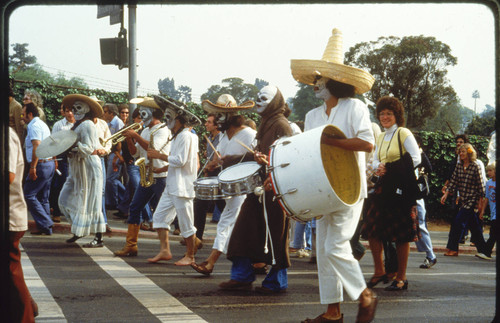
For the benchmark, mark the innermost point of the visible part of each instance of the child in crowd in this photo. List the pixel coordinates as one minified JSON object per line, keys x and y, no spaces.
{"x":491,"y":198}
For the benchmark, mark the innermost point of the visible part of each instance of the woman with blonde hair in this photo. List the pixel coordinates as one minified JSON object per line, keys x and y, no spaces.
{"x":466,"y":179}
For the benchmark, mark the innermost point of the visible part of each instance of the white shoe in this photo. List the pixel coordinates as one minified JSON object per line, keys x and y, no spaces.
{"x":483,"y":256}
{"x":302,"y":253}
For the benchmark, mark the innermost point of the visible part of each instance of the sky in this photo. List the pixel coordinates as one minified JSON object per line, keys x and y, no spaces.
{"x":200,"y":45}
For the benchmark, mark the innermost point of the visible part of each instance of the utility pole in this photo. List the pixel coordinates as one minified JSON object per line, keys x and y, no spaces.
{"x":132,"y":54}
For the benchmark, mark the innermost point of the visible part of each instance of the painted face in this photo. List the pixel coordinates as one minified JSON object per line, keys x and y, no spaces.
{"x":146,"y":115}
{"x":320,"y":89}
{"x":264,"y":97}
{"x":80,"y":109}
{"x":170,"y":118}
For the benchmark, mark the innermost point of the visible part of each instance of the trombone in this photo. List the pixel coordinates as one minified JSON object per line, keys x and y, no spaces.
{"x":118,"y":136}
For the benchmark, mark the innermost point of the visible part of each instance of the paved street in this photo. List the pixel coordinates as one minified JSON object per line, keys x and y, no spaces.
{"x":73,"y":284}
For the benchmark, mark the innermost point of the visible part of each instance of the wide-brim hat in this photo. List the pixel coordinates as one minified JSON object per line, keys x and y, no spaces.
{"x":226,"y":103}
{"x":179,"y":108}
{"x":95,"y":107}
{"x":332,"y":66}
{"x":147,"y":102}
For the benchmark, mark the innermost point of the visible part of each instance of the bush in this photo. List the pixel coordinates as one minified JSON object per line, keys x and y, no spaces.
{"x":440,"y":148}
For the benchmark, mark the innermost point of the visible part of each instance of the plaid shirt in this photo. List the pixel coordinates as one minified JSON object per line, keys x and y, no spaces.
{"x":468,"y":183}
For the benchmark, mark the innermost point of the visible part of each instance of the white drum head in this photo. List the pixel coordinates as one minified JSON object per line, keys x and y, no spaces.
{"x":239,"y":171}
{"x":207,"y":181}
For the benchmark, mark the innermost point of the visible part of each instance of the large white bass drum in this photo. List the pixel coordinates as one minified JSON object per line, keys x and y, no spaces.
{"x":311,"y":179}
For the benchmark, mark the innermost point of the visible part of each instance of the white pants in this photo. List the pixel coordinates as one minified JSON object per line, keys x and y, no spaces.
{"x":168,"y":207}
{"x":337,"y":268}
{"x":226,"y":222}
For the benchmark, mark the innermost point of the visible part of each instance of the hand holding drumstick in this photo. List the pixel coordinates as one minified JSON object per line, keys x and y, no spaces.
{"x":258,"y":156}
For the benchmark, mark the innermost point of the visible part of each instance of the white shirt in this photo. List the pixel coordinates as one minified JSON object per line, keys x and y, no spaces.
{"x":62,"y":124}
{"x":231,"y":147}
{"x":183,"y":164}
{"x":18,"y":211}
{"x":352,"y":117}
{"x":37,"y":130}
{"x":103,"y":133}
{"x":410,"y":145}
{"x":160,"y":142}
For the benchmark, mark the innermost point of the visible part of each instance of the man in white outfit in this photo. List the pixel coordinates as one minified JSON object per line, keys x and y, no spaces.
{"x":177,"y":198}
{"x":229,"y":147}
{"x":336,"y":84}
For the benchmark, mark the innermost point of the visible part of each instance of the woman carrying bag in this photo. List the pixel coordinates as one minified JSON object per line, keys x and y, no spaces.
{"x":392,"y":215}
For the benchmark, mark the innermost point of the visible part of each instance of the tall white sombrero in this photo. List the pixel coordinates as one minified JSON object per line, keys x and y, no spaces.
{"x":179,"y":108}
{"x":332,"y":66}
{"x":226,"y":103}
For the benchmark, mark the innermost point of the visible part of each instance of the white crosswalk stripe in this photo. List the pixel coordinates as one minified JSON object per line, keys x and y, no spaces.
{"x":160,"y":303}
{"x":47,"y":307}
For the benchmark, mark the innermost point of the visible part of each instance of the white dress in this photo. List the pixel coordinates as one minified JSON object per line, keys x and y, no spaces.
{"x":81,"y":196}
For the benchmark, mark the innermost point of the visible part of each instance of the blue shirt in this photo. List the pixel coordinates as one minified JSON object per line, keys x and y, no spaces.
{"x":37,"y":130}
{"x":115,"y":125}
{"x":491,"y":187}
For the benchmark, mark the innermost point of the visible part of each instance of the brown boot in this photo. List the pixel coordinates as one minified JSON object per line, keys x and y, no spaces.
{"x":130,"y":248}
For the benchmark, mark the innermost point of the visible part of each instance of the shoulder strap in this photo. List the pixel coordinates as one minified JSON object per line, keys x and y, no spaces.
{"x":399,"y":143}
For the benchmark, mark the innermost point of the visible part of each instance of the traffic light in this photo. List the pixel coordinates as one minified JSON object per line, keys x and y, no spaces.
{"x":114,"y":51}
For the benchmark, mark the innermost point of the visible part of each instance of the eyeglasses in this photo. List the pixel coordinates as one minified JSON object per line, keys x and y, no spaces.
{"x":124,"y":112}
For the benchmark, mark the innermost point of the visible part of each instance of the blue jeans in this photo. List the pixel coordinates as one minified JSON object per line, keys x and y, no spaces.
{"x":142,"y":196}
{"x":466,"y":217}
{"x":114,"y":187}
{"x":36,"y":194}
{"x":134,"y":178}
{"x":298,"y":238}
{"x":424,"y":243}
{"x":243,"y":271}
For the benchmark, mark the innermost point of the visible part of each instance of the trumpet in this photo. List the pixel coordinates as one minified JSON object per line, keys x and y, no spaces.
{"x":118,"y":136}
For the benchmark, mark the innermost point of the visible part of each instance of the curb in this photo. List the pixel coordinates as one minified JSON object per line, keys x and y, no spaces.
{"x":65,"y":228}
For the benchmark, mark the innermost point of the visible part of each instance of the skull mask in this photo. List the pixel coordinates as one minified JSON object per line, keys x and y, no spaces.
{"x":170,"y":118}
{"x":264,"y":97}
{"x":221,"y":120}
{"x":146,"y":115}
{"x":80,"y":109}
{"x":321,"y":91}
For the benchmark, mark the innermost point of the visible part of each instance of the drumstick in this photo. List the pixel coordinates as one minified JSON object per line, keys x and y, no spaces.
{"x":211,"y":145}
{"x":249,"y":149}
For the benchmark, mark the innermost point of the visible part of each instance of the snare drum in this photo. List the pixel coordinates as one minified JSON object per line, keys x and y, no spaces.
{"x":311,"y":179}
{"x":240,"y":179}
{"x":207,"y":188}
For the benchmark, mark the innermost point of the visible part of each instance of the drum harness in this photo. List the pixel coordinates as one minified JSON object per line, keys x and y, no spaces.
{"x":261,"y":193}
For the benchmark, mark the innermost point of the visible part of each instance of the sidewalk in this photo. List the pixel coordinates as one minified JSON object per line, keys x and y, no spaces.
{"x":439,"y":237}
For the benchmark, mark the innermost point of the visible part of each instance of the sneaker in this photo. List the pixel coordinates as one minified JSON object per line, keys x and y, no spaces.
{"x":483,"y":256}
{"x":302,"y":253}
{"x":428,"y":263}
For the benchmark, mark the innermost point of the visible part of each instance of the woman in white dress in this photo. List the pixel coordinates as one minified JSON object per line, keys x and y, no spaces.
{"x":81,"y":196}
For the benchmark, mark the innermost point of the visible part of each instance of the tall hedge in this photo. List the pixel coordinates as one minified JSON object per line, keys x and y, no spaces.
{"x":440,"y":148}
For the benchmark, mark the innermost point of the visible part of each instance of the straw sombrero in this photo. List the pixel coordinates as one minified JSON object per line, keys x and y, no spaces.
{"x":226,"y":103}
{"x":95,"y":107}
{"x":179,"y":108}
{"x":332,"y":66}
{"x":147,"y":102}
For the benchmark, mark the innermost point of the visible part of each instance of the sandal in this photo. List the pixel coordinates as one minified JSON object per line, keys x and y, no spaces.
{"x":201,"y":268}
{"x":394,"y":286}
{"x":377,"y":279}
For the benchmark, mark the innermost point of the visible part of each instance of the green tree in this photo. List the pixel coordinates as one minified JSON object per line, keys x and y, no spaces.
{"x":167,"y":88}
{"x":184,"y":93}
{"x":303,"y":101}
{"x":235,"y":86}
{"x":20,"y":60}
{"x":411,"y":68}
{"x":482,"y":124}
{"x":451,"y":115}
{"x":259,"y":83}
